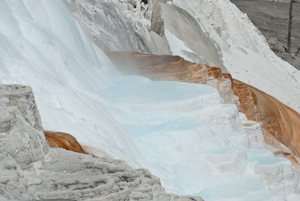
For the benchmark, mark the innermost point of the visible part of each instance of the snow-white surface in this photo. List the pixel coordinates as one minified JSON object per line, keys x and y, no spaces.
{"x":181,"y":132}
{"x":42,"y":46}
{"x":245,"y":52}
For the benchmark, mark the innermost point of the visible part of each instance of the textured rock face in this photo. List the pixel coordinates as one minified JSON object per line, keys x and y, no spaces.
{"x":113,"y":33}
{"x":63,"y":140}
{"x":174,"y":68}
{"x":69,"y":175}
{"x":11,"y":174}
{"x":146,"y":19}
{"x":20,"y":125}
{"x":10,"y":193}
{"x":105,"y":22}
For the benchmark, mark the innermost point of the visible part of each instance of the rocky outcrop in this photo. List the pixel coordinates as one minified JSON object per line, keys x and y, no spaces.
{"x":31,"y":171}
{"x":11,"y":175}
{"x":106,"y":25}
{"x":174,"y":68}
{"x":20,"y":125}
{"x":63,"y":140}
{"x":105,"y":21}
{"x":10,"y":193}
{"x":69,"y":175}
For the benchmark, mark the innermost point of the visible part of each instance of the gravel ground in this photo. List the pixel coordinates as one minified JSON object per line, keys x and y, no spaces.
{"x":271,"y":18}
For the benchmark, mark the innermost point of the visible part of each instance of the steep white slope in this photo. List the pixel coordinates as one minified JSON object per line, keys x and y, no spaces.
{"x":41,"y":45}
{"x":181,"y":132}
{"x":246,"y":53}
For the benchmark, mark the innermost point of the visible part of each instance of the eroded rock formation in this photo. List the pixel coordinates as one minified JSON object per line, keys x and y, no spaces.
{"x":132,"y":25}
{"x":20,"y":125}
{"x":74,"y":176}
{"x":10,"y":173}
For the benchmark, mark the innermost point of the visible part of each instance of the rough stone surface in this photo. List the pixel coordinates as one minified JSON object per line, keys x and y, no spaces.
{"x":20,"y":125}
{"x":10,"y":193}
{"x":105,"y":22}
{"x":10,"y":172}
{"x":106,"y":25}
{"x":74,"y":176}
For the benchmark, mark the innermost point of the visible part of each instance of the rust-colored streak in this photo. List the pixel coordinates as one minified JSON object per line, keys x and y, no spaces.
{"x":247,"y":101}
{"x":279,"y":120}
{"x":214,"y":72}
{"x":63,"y":140}
{"x":164,"y":67}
